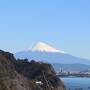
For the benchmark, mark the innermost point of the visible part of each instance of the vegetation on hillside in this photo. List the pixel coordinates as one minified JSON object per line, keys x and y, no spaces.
{"x":25,"y":75}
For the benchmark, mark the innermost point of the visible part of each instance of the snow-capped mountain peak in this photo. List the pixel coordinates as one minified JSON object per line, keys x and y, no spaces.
{"x":43,"y":47}
{"x":44,"y":53}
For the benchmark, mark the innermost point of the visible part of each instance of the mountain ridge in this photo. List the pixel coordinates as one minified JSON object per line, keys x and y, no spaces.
{"x":51,"y":57}
{"x":47,"y":53}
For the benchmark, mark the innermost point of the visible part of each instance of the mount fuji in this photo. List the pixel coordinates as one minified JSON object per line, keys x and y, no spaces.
{"x":46,"y":53}
{"x":42,"y":47}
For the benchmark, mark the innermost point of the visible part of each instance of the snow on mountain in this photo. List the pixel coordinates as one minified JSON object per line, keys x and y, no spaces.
{"x":42,"y":47}
{"x":45,"y":53}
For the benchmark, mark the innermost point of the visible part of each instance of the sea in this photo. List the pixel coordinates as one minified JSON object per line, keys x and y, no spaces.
{"x":76,"y":83}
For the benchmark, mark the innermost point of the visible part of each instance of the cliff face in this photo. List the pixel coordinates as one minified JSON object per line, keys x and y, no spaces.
{"x":24,"y":75}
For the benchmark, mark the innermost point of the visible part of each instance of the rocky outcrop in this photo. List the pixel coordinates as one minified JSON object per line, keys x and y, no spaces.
{"x":24,"y":75}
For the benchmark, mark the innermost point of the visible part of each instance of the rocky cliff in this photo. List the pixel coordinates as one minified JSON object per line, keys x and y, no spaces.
{"x":24,"y":75}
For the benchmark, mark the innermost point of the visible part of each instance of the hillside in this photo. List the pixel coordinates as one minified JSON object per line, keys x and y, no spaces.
{"x":24,"y":75}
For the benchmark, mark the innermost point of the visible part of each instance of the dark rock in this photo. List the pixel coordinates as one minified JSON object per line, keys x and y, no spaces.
{"x":24,"y":75}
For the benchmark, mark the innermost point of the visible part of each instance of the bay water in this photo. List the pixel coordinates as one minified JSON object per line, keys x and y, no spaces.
{"x":76,"y":83}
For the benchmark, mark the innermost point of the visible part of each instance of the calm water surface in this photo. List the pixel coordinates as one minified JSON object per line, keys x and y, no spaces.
{"x":77,"y":83}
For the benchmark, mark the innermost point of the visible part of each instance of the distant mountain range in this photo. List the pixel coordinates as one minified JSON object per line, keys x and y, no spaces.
{"x":71,"y":67}
{"x":45,"y":53}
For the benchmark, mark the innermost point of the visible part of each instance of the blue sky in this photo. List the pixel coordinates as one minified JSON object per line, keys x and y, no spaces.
{"x":64,"y":24}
